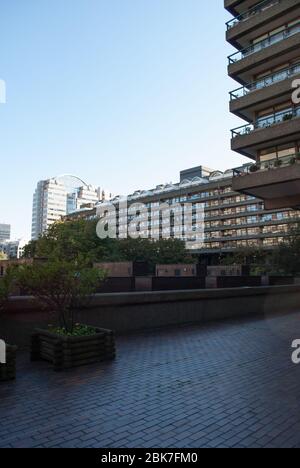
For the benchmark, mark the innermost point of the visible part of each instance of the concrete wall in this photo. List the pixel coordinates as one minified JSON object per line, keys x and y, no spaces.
{"x":179,"y":270}
{"x":221,"y":282}
{"x":117,"y":285}
{"x":177,"y":283}
{"x":149,"y":283}
{"x":140,"y":311}
{"x":116,"y":269}
{"x":228,"y":270}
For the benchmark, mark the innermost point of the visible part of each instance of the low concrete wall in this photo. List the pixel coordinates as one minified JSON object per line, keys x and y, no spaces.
{"x":140,"y":311}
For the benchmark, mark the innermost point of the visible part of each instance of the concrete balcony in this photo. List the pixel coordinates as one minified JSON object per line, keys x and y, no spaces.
{"x":271,"y":91}
{"x":279,"y":187}
{"x":267,"y":54}
{"x":259,"y":20}
{"x":236,"y":7}
{"x":275,"y":130}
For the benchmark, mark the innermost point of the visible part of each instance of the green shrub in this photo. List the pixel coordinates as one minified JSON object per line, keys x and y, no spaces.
{"x":60,"y":286}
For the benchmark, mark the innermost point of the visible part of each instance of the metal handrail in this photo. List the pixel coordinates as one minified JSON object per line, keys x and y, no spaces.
{"x":265,"y":82}
{"x":267,"y":165}
{"x":251,"y":12}
{"x":267,"y":122}
{"x":272,"y":39}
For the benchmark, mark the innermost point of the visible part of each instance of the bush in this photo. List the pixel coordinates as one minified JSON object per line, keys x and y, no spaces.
{"x":60,"y":286}
{"x":278,"y":163}
{"x":253,"y":168}
{"x":5,"y":284}
{"x":286,"y":257}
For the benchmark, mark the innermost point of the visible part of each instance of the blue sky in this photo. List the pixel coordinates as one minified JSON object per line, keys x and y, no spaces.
{"x":123,"y":93}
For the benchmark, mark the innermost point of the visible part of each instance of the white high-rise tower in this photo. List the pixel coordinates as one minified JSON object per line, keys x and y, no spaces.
{"x":57,"y":197}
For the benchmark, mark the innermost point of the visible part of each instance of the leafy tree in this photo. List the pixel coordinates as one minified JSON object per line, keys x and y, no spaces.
{"x":74,"y":241}
{"x":244,"y":256}
{"x":30,"y":250}
{"x":260,"y":260}
{"x":287,"y":257}
{"x":136,"y":250}
{"x":60,"y":285}
{"x":163,"y":251}
{"x":170,"y":251}
{"x":78,"y":241}
{"x":62,"y":240}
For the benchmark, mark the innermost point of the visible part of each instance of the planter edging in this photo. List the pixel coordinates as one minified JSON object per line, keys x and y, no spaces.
{"x":67,"y":352}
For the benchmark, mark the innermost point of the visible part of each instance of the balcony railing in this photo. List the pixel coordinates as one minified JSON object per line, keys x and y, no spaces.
{"x":269,"y":41}
{"x":265,"y":82}
{"x":267,"y":122}
{"x":272,"y":164}
{"x":252,"y":12}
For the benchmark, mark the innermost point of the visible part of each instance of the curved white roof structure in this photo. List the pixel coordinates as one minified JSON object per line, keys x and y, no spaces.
{"x":71,"y":182}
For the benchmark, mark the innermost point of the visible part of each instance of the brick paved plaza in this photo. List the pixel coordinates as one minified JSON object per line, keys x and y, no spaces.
{"x":226,"y":384}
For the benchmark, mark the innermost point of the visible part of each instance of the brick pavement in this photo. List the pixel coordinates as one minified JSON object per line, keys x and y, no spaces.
{"x":226,"y":384}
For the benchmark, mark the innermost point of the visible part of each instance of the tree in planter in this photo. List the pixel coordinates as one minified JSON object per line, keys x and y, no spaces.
{"x":61,"y":286}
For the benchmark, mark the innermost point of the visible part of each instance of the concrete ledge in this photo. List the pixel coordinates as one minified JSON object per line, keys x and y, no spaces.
{"x":255,"y":63}
{"x":129,"y":312}
{"x":259,"y":24}
{"x":152,"y":297}
{"x":246,"y":106}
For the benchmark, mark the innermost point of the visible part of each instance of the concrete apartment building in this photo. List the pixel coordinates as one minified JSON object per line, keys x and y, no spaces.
{"x":232,"y":220}
{"x":59,"y":196}
{"x":266,"y":35}
{"x":5,"y":230}
{"x":13,"y":249}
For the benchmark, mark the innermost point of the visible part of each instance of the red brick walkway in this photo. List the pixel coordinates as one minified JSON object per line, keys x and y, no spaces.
{"x":229,"y":384}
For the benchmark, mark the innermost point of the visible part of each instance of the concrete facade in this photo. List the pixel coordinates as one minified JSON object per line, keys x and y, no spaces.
{"x":267,"y":36}
{"x":5,"y":231}
{"x":232,"y":221}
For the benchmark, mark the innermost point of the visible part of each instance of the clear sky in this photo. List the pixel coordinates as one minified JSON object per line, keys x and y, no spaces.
{"x":123,"y":93}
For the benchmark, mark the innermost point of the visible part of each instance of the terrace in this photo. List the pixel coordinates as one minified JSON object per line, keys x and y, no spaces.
{"x":255,"y":10}
{"x":275,"y":163}
{"x":272,"y":39}
{"x":265,"y":82}
{"x":276,"y":181}
{"x":224,"y":384}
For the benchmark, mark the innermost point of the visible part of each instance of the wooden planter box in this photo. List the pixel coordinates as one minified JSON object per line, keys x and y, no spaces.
{"x":67,"y":352}
{"x":8,"y":370}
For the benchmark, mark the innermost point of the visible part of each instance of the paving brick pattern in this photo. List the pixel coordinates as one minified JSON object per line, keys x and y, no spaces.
{"x":226,"y":384}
